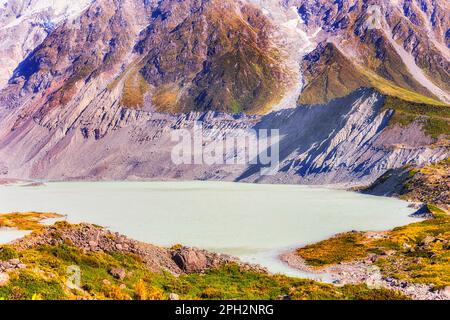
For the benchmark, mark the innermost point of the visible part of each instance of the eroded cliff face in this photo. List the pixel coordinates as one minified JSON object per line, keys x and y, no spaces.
{"x":348,"y":141}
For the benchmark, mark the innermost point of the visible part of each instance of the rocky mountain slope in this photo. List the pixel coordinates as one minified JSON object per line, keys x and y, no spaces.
{"x":403,"y":42}
{"x":24,"y":24}
{"x":427,"y":184}
{"x":96,"y":95}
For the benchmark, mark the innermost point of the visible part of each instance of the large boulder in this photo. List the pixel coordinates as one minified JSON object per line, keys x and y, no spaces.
{"x":423,"y":213}
{"x":118,"y":273}
{"x":446,"y":292}
{"x":193,"y":260}
{"x":190,"y":261}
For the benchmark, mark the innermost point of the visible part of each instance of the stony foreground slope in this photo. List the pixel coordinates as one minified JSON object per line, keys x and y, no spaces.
{"x":112,"y":266}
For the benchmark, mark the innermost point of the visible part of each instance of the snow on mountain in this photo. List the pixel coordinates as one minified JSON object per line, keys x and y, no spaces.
{"x":24,"y":24}
{"x":53,"y":11}
{"x":296,"y":40}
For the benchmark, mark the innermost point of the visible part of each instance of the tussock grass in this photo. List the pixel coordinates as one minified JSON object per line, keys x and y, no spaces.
{"x":435,"y":118}
{"x":25,"y":220}
{"x":388,"y":88}
{"x":166,"y":98}
{"x":340,"y":248}
{"x":134,"y":89}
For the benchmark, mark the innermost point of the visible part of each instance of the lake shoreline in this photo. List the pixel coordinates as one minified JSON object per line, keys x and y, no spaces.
{"x":238,"y":220}
{"x":362,"y":272}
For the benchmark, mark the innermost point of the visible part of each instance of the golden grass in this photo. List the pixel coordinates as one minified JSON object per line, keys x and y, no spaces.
{"x":134,"y":85}
{"x":166,"y":97}
{"x":340,"y":248}
{"x":411,"y":257}
{"x":134,"y":89}
{"x":25,"y":220}
{"x":388,"y":88}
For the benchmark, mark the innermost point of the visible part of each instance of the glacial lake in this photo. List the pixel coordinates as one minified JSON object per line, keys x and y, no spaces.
{"x":256,"y":223}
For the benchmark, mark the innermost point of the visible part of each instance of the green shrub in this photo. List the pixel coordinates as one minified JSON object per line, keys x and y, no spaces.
{"x":8,"y":253}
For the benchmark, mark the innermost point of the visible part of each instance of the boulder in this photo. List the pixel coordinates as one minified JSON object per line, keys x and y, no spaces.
{"x":14,"y":262}
{"x":190,"y":261}
{"x":423,"y":213}
{"x":118,"y":273}
{"x":174,"y":296}
{"x":446,"y":292}
{"x":428,"y":240}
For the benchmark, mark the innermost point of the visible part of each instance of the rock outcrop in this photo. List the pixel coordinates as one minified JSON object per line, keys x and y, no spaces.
{"x":97,"y":239}
{"x":427,"y":184}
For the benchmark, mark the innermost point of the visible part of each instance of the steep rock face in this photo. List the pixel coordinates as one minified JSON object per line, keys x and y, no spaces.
{"x":347,"y":141}
{"x":78,"y":51}
{"x":223,"y":62}
{"x":181,"y":56}
{"x":165,"y":56}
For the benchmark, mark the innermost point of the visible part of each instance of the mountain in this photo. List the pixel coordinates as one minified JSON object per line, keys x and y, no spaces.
{"x":93,"y":88}
{"x":407,"y":46}
{"x":24,"y":24}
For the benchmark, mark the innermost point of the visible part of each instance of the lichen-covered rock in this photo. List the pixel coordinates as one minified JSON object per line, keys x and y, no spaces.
{"x":190,"y":261}
{"x":10,"y":265}
{"x":118,"y":273}
{"x":174,"y":296}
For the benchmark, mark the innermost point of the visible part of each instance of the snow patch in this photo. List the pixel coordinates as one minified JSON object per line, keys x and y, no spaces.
{"x":294,"y":39}
{"x":59,"y":10}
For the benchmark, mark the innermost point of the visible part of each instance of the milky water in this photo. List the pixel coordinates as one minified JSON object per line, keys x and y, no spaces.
{"x":8,"y":235}
{"x":254,"y":222}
